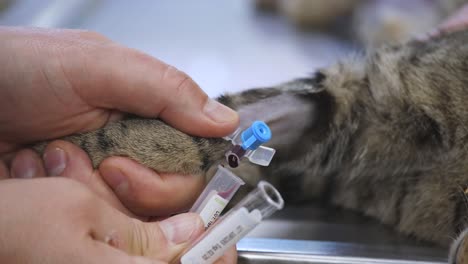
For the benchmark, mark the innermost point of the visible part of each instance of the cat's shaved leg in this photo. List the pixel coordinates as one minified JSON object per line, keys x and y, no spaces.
{"x":293,"y":111}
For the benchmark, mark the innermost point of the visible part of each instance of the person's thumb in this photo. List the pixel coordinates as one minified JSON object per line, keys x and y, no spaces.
{"x":164,"y":240}
{"x":140,"y":84}
{"x":167,"y":239}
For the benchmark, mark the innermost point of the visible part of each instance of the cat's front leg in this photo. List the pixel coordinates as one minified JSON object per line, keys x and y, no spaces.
{"x":157,"y":145}
{"x":152,"y":143}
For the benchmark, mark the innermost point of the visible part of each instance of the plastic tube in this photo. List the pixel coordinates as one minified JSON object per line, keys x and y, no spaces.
{"x":216,"y":195}
{"x":238,"y":222}
{"x":225,"y":184}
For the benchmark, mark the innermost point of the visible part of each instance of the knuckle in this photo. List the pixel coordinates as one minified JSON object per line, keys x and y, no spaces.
{"x":183,"y":83}
{"x":140,"y":238}
{"x":141,"y":201}
{"x":179,"y":81}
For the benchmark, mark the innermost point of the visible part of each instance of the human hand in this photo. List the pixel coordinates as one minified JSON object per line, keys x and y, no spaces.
{"x":455,"y":22}
{"x":78,"y":167}
{"x":51,"y":65}
{"x":59,"y":82}
{"x":166,"y":193}
{"x":56,"y":220}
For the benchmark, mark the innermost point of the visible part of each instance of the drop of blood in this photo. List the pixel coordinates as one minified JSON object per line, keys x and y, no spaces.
{"x":233,"y":161}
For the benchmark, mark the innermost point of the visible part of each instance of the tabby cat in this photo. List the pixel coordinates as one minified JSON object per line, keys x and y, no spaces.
{"x":384,"y":134}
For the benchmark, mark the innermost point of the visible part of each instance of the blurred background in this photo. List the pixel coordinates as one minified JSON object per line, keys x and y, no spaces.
{"x":222,"y":45}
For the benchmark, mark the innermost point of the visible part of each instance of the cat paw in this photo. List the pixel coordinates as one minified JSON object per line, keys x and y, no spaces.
{"x":152,"y":143}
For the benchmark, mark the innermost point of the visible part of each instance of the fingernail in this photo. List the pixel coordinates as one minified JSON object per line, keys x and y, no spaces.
{"x":219,"y":112}
{"x":180,"y":228}
{"x":116,"y":179}
{"x":55,"y":161}
{"x":25,"y":167}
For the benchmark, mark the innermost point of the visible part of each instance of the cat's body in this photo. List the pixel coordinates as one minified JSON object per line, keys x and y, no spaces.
{"x":385,"y":134}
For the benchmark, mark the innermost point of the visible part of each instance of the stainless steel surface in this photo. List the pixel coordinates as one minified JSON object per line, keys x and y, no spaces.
{"x":257,"y":250}
{"x":316,"y":234}
{"x":226,"y":46}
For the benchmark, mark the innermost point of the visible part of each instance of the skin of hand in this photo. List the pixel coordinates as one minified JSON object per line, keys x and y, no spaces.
{"x":57,"y":220}
{"x":456,"y":22}
{"x":59,"y":82}
{"x":85,"y":194}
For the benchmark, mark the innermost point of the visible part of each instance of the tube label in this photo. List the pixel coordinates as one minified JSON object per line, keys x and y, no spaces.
{"x":222,"y":236}
{"x":212,"y":209}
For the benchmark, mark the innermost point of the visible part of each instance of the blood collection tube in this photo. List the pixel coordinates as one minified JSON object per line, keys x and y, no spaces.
{"x":238,"y":222}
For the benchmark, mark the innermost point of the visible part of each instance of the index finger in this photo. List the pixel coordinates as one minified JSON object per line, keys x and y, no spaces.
{"x":163,"y":240}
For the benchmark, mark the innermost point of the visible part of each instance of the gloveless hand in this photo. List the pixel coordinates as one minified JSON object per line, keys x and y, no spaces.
{"x":57,"y":220}
{"x":59,"y":82}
